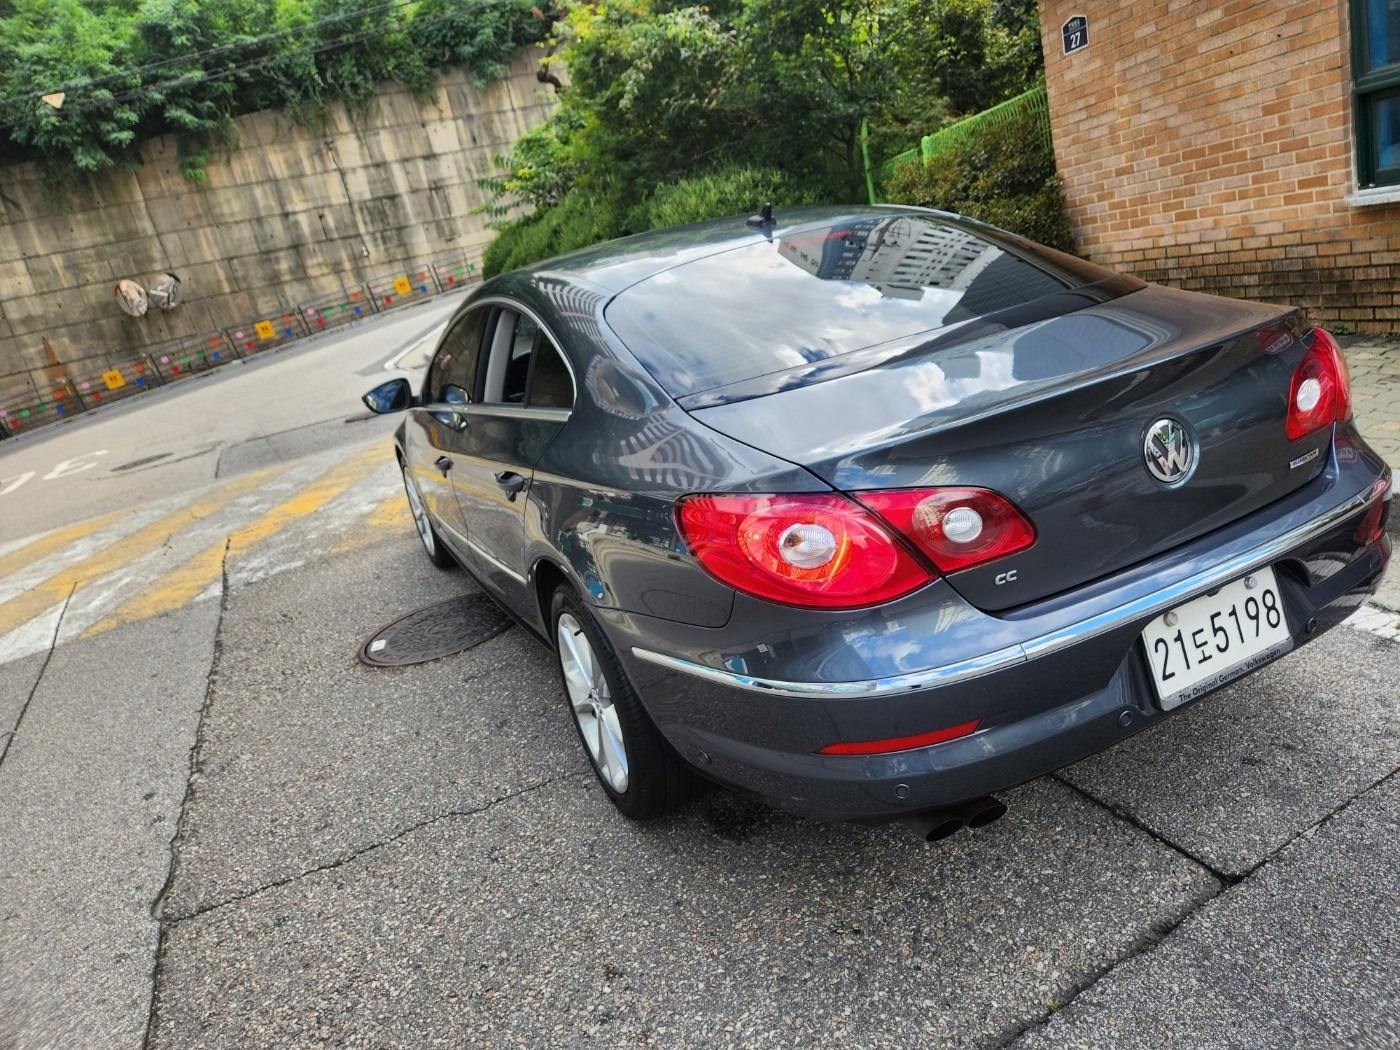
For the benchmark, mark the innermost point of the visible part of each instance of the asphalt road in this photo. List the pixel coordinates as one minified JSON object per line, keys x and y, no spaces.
{"x":221,"y":830}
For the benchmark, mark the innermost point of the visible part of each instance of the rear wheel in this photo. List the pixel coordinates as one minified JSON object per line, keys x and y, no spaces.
{"x":432,"y":544}
{"x":641,"y":773}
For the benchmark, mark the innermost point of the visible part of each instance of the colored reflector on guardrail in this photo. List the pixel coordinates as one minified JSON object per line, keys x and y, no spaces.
{"x":323,"y":312}
{"x":458,"y":269}
{"x":114,"y":378}
{"x":264,"y":333}
{"x":402,"y":287}
{"x":191,"y":355}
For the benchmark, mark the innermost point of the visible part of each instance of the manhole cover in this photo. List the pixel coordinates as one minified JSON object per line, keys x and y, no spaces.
{"x":437,"y":631}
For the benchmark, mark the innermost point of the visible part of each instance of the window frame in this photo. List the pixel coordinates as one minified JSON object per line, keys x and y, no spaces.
{"x":432,"y":376}
{"x":1368,"y":87}
{"x":500,"y":305}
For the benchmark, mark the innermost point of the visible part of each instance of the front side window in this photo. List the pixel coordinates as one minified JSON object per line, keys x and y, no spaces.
{"x":1376,"y":68}
{"x":452,"y":375}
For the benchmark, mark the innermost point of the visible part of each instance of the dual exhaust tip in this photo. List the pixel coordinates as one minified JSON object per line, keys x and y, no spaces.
{"x":940,"y":823}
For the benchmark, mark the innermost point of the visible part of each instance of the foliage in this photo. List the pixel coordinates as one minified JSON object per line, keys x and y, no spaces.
{"x":586,"y":216}
{"x":1004,"y":175}
{"x":135,"y":68}
{"x":724,"y":191}
{"x":581,"y":219}
{"x":675,"y":113}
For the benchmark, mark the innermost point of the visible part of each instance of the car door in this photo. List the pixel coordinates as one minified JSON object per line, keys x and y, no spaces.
{"x":448,"y":388}
{"x":524,"y":395}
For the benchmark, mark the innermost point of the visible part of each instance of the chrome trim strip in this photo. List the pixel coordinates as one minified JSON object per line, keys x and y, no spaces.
{"x":1160,"y":601}
{"x":496,"y":562}
{"x":1143,"y":608}
{"x":500,"y":409}
{"x":904,"y":683}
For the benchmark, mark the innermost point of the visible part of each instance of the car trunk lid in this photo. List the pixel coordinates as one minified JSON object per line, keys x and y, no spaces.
{"x":1055,"y":415}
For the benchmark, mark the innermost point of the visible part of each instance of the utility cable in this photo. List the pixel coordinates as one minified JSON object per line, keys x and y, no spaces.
{"x":369,"y":12}
{"x":148,"y":90}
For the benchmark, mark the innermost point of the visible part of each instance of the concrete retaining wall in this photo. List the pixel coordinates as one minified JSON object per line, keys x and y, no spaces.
{"x":286,"y":217}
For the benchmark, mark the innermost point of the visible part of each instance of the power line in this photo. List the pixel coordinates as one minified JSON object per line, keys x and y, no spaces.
{"x":284,"y":34}
{"x":154,"y":89}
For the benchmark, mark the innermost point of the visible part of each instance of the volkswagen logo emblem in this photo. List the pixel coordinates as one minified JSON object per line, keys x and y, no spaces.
{"x":1169,"y":452}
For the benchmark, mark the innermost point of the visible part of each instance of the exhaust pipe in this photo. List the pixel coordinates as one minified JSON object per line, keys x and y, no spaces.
{"x":983,"y":811}
{"x":936,"y":824}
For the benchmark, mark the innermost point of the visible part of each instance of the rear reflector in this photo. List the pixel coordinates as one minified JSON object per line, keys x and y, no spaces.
{"x":1372,"y":526}
{"x":901,"y":743}
{"x":1320,"y":393}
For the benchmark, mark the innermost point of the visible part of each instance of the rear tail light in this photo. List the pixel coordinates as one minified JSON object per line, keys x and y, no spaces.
{"x":957,"y":528}
{"x":1320,"y":393}
{"x":827,"y":551}
{"x":819,"y":550}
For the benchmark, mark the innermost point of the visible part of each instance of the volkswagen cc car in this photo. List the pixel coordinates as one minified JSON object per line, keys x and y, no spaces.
{"x":876,"y":512}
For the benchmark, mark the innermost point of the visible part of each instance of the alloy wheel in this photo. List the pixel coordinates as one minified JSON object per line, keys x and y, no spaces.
{"x":420,"y":513}
{"x":591,"y":701}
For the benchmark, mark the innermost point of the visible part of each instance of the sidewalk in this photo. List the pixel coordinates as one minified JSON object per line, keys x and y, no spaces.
{"x":1374,"y":362}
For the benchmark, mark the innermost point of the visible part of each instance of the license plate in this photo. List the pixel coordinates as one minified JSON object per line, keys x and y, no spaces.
{"x":1206,"y":642}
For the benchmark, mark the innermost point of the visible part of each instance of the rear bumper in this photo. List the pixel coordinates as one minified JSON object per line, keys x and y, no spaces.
{"x":1051,"y":683}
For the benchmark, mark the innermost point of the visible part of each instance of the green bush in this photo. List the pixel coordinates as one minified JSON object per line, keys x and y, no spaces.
{"x":1004,"y":175}
{"x":132,"y":69}
{"x":579,"y":220}
{"x":725,"y":191}
{"x":586,"y":217}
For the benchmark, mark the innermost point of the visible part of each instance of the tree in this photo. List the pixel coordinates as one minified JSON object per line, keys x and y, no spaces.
{"x":679,"y":112}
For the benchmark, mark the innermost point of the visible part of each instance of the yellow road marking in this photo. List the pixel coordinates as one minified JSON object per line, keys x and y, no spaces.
{"x":23,"y":557}
{"x":391,"y":515}
{"x":24,"y":607}
{"x":185,"y":583}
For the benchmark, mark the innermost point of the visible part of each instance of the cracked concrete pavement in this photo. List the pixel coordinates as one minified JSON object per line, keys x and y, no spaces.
{"x":420,"y":857}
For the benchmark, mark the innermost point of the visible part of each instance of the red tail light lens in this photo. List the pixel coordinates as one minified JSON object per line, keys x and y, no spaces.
{"x":1320,"y":393}
{"x":819,"y":550}
{"x":1372,"y":526}
{"x":956,"y":527}
{"x":901,"y":743}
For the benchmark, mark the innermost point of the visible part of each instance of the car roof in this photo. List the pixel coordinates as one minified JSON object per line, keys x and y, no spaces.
{"x":618,"y":264}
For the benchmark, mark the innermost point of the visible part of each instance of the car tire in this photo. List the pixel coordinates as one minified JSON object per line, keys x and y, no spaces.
{"x":640,"y":772}
{"x":433,"y":546}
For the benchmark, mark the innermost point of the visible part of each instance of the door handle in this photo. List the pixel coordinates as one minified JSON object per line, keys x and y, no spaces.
{"x":443,"y":464}
{"x":511,"y":482}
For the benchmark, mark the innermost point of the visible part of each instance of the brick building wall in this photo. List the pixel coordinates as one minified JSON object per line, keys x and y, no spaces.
{"x":1209,"y":146}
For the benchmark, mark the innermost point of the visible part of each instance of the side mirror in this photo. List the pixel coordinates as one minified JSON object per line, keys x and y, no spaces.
{"x":393,"y":396}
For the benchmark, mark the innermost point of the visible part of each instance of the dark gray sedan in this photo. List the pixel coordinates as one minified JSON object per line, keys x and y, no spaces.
{"x":875,"y":512}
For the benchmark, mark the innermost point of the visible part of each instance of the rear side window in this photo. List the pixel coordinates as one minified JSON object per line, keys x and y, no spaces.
{"x":452,"y":375}
{"x":525,"y":367}
{"x":820,"y":292}
{"x":551,"y":386}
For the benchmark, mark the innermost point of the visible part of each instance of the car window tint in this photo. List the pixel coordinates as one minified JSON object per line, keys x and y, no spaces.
{"x":550,"y":383}
{"x":522,"y":348}
{"x":821,"y":292}
{"x":451,"y":376}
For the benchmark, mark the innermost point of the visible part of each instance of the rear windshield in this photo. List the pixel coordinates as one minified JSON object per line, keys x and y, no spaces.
{"x":818,"y":293}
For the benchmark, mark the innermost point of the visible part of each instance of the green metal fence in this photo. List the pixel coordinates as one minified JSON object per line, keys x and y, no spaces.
{"x":1030,"y":104}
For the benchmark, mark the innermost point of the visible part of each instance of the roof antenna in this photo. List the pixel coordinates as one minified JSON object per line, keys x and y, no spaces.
{"x":764,"y":218}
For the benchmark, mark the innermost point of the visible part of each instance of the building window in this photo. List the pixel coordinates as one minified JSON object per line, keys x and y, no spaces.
{"x":1375,"y":41}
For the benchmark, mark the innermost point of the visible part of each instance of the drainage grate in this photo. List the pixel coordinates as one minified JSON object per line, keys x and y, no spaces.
{"x":437,"y":631}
